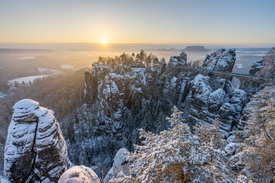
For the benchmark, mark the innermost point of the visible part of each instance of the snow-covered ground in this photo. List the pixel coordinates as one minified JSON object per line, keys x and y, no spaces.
{"x":25,"y":58}
{"x":47,"y":69}
{"x":26,"y":79}
{"x":239,"y":66}
{"x":66,"y":66}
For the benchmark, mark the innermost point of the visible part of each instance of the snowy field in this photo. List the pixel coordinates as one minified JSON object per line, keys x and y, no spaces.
{"x":25,"y":58}
{"x":66,"y":66}
{"x":26,"y":79}
{"x":40,"y":69}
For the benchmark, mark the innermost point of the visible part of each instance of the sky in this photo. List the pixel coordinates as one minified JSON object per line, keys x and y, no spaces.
{"x":240,"y":22}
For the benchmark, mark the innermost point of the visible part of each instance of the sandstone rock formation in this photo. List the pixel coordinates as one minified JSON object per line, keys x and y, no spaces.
{"x":35,"y":148}
{"x":123,"y":98}
{"x":220,"y":60}
{"x":177,"y":60}
{"x":257,"y":67}
{"x":119,"y":161}
{"x":79,"y":174}
{"x":206,"y":104}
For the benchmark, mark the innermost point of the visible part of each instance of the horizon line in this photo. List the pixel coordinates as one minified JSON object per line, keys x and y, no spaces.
{"x":160,"y":43}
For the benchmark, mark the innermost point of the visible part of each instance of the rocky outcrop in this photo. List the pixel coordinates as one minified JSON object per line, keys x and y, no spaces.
{"x":123,"y":98}
{"x":35,"y":148}
{"x":177,"y":61}
{"x":220,"y":60}
{"x":79,"y":174}
{"x":206,"y":105}
{"x":257,"y":67}
{"x":118,"y":165}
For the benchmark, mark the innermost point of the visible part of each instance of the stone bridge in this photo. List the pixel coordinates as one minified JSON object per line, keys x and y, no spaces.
{"x":248,"y":83}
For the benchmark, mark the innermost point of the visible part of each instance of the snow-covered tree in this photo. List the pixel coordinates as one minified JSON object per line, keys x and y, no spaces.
{"x":175,"y":155}
{"x":160,"y":125}
{"x":260,"y":139}
{"x":207,"y":132}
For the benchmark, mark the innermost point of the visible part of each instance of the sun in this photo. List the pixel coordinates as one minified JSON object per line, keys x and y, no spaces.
{"x":104,"y":42}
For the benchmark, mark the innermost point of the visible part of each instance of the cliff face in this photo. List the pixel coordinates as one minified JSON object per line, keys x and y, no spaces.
{"x":121,"y":99}
{"x":35,"y":148}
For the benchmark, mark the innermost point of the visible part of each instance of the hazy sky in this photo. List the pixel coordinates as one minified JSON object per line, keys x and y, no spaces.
{"x":247,"y":22}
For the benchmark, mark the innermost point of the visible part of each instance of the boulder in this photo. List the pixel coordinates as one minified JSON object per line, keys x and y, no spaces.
{"x":239,"y":160}
{"x":118,"y":165}
{"x":238,"y":99}
{"x":35,"y":148}
{"x":233,"y":148}
{"x":215,"y":99}
{"x":79,"y":174}
{"x":220,"y":60}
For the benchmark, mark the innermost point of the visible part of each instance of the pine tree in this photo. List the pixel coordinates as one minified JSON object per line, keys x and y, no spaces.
{"x":160,"y":126}
{"x":147,"y":120}
{"x":175,"y":155}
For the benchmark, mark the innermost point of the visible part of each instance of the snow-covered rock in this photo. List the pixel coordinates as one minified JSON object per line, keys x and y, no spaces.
{"x":35,"y":148}
{"x":238,"y":160}
{"x":123,"y":98}
{"x":220,"y":60}
{"x":238,"y":99}
{"x":257,"y":67}
{"x":79,"y":174}
{"x":201,"y":90}
{"x":230,"y":138}
{"x":4,"y":180}
{"x":177,"y":61}
{"x":216,"y":99}
{"x":119,"y":161}
{"x":233,"y":148}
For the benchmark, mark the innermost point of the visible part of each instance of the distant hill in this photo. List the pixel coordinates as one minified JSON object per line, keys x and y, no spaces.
{"x":13,"y":51}
{"x":195,"y":49}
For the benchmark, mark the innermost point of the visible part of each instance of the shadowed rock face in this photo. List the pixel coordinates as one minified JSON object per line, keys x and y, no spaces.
{"x":207,"y":104}
{"x":257,"y":67}
{"x":35,"y":148}
{"x":79,"y":174}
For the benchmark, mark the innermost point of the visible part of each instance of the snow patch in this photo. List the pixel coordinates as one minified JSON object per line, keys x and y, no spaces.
{"x":26,"y":79}
{"x":2,"y":95}
{"x":40,"y":69}
{"x":66,"y":66}
{"x":239,"y":66}
{"x":25,"y":58}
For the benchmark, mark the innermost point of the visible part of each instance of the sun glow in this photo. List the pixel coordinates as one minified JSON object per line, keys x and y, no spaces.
{"x":104,"y":42}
